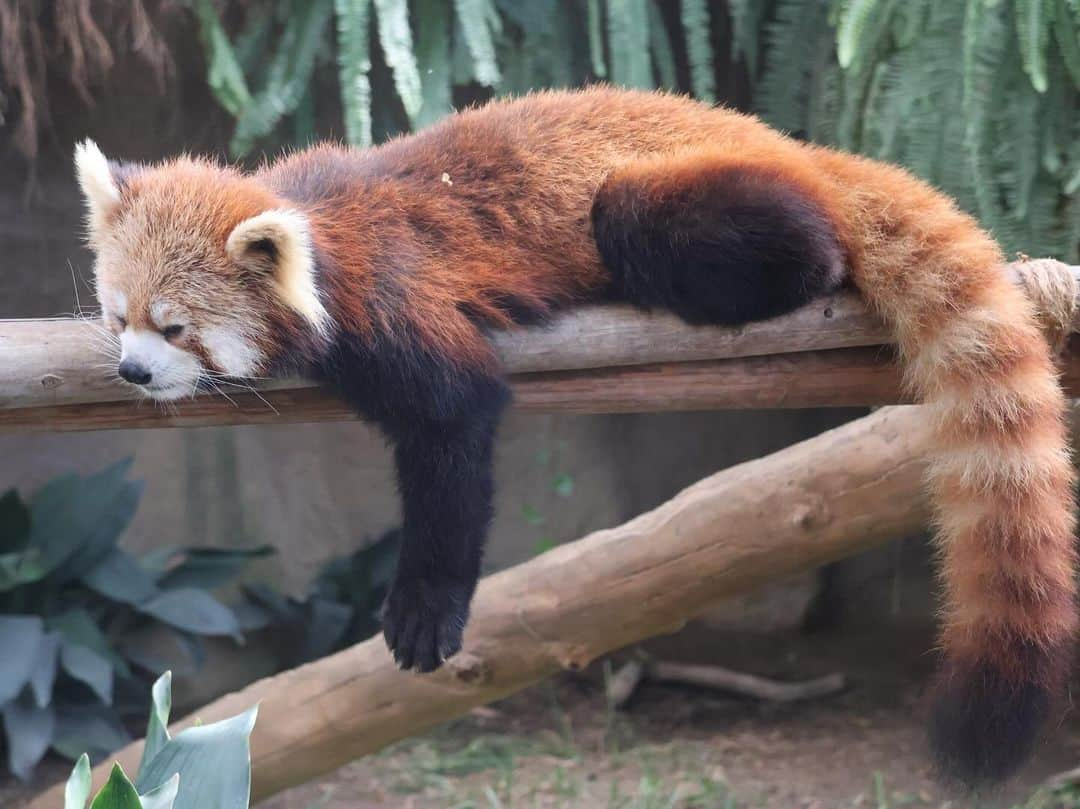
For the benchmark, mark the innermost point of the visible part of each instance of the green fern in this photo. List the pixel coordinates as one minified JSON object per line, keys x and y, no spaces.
{"x":354,"y":61}
{"x":696,"y":24}
{"x":596,"y":37}
{"x":980,"y":97}
{"x":1067,"y":34}
{"x":1033,"y":18}
{"x":628,"y":42}
{"x":479,"y":22}
{"x":224,"y":74}
{"x":662,"y":55}
{"x":288,"y":75}
{"x":433,"y":57}
{"x":395,"y":37}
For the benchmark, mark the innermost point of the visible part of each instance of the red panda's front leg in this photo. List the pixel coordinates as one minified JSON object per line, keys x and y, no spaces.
{"x":441,"y":417}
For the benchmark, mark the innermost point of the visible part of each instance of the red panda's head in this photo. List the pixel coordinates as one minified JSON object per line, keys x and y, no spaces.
{"x":199,"y":270}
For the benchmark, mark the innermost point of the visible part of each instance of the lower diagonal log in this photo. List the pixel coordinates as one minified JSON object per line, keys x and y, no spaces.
{"x":815,"y":502}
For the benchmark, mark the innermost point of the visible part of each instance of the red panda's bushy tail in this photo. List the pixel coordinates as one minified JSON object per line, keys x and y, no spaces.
{"x":1000,"y":473}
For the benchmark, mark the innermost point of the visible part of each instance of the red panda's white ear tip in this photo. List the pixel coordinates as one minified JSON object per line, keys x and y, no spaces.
{"x":293,"y":259}
{"x":95,"y":177}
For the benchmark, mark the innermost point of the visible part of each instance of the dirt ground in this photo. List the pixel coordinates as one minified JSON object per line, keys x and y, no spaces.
{"x":559,"y":745}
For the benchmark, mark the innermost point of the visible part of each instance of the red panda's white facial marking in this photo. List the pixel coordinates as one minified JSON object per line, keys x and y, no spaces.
{"x":159,"y":368}
{"x":231,"y":351}
{"x":202,"y":271}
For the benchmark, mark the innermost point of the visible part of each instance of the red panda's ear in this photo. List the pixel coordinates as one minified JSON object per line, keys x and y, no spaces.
{"x":277,"y":244}
{"x":99,"y":186}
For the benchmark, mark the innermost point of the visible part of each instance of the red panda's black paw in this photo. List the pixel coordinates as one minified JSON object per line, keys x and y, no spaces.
{"x":423,"y":622}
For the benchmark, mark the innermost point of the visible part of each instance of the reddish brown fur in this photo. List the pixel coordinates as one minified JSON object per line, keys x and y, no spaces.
{"x":487,"y":213}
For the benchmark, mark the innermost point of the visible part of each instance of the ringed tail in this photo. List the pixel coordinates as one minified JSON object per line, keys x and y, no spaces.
{"x":1000,"y":474}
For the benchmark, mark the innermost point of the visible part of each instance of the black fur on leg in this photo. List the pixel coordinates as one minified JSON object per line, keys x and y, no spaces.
{"x":728,"y":244}
{"x":441,"y":418}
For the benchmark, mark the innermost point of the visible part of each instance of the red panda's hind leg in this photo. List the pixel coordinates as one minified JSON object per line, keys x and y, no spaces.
{"x":715,"y":238}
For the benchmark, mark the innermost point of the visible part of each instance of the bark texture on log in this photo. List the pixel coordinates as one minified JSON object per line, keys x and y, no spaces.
{"x":56,"y":375}
{"x":812,"y":503}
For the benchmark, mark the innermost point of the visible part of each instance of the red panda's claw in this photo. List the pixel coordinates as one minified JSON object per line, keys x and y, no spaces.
{"x":423,"y":622}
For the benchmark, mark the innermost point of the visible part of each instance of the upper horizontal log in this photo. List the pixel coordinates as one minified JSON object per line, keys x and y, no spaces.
{"x":57,"y":374}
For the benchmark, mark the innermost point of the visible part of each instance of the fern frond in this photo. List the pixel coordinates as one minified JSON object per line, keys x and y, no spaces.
{"x":395,"y":38}
{"x":662,"y":55}
{"x":696,"y":25}
{"x":1033,"y":18}
{"x":794,"y":41}
{"x":1067,"y":34}
{"x":628,"y":43}
{"x":479,"y":19}
{"x":288,"y":76}
{"x":984,"y":49}
{"x":596,"y":38}
{"x":354,"y":65}
{"x":746,"y":26}
{"x":433,"y":60}
{"x":224,"y":74}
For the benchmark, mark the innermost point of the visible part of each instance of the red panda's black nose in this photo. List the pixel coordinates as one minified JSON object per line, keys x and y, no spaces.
{"x":133,"y":372}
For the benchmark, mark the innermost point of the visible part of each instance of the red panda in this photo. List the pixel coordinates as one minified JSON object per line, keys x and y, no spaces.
{"x":381,"y":272}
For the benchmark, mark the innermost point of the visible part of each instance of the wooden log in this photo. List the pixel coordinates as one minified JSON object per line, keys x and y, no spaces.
{"x":838,"y":378}
{"x":57,"y":374}
{"x":856,"y":377}
{"x":812,"y":503}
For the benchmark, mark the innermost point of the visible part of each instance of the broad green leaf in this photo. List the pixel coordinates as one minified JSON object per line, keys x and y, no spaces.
{"x":20,"y":638}
{"x":327,"y":624}
{"x":220,"y":752}
{"x":118,"y":793}
{"x":395,"y":37}
{"x":21,"y":567}
{"x":354,"y":65}
{"x":29,"y":731}
{"x":46,"y":665}
{"x":92,"y":729}
{"x":76,"y":521}
{"x":224,"y":75}
{"x":79,"y":784}
{"x":164,"y":796}
{"x":14,"y":522}
{"x":157,"y":727}
{"x":77,"y":626}
{"x":120,"y":578}
{"x":162,"y":648}
{"x":209,"y":568}
{"x":89,"y":667}
{"x":192,"y":610}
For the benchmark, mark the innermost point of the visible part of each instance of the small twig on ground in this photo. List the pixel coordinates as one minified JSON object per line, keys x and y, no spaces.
{"x":622,"y":685}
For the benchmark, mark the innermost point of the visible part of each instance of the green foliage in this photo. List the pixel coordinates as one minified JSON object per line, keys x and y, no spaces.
{"x":341,"y":606}
{"x":980,"y":97}
{"x":400,"y":63}
{"x":206,"y":765}
{"x":76,"y":614}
